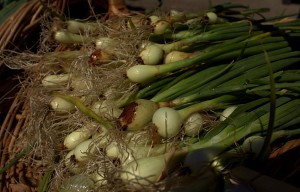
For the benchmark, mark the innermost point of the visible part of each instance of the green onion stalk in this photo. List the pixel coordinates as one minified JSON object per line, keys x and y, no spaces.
{"x":194,"y":31}
{"x":245,"y":113}
{"x":199,"y":155}
{"x":190,"y":83}
{"x":84,"y":109}
{"x":246,"y":71}
{"x":152,"y":53}
{"x":189,"y":51}
{"x":260,"y":71}
{"x":162,"y":84}
{"x":237,"y":85}
{"x":218,"y":8}
{"x":144,"y":73}
{"x":185,"y":20}
{"x":241,"y":67}
{"x":249,"y":149}
{"x":210,"y":36}
{"x":208,"y":78}
{"x":284,"y":113}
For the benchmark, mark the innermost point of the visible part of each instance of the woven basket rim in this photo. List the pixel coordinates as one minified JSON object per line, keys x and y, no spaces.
{"x":14,"y":31}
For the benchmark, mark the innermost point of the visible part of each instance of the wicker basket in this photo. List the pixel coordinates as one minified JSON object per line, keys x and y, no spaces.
{"x":15,"y":35}
{"x":21,"y":31}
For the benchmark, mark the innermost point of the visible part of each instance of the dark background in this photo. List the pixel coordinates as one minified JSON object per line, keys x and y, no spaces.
{"x":277,"y":7}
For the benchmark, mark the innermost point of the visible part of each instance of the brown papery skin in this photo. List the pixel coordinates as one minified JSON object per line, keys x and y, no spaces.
{"x":127,"y":115}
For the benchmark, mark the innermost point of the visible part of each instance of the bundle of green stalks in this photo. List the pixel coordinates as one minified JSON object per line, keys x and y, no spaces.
{"x":147,"y":102}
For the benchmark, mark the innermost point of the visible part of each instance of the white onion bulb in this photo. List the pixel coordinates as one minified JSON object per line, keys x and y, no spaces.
{"x":152,"y":54}
{"x":167,"y":121}
{"x":112,"y":150}
{"x":253,"y":144}
{"x":193,"y":125}
{"x":98,"y":177}
{"x":174,"y":56}
{"x":212,"y":17}
{"x":55,"y":80}
{"x":144,"y":171}
{"x":161,"y":26}
{"x":70,"y":38}
{"x":133,"y":152}
{"x":76,"y":137}
{"x":154,"y":19}
{"x":78,"y":27}
{"x":62,"y":106}
{"x":103,"y":107}
{"x":82,"y":150}
{"x":106,"y":43}
{"x":125,"y":156}
{"x":177,"y":15}
{"x":141,"y":73}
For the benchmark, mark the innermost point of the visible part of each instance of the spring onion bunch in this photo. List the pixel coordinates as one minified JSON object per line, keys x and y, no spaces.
{"x":192,"y":90}
{"x":211,"y":147}
{"x":245,"y":75}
